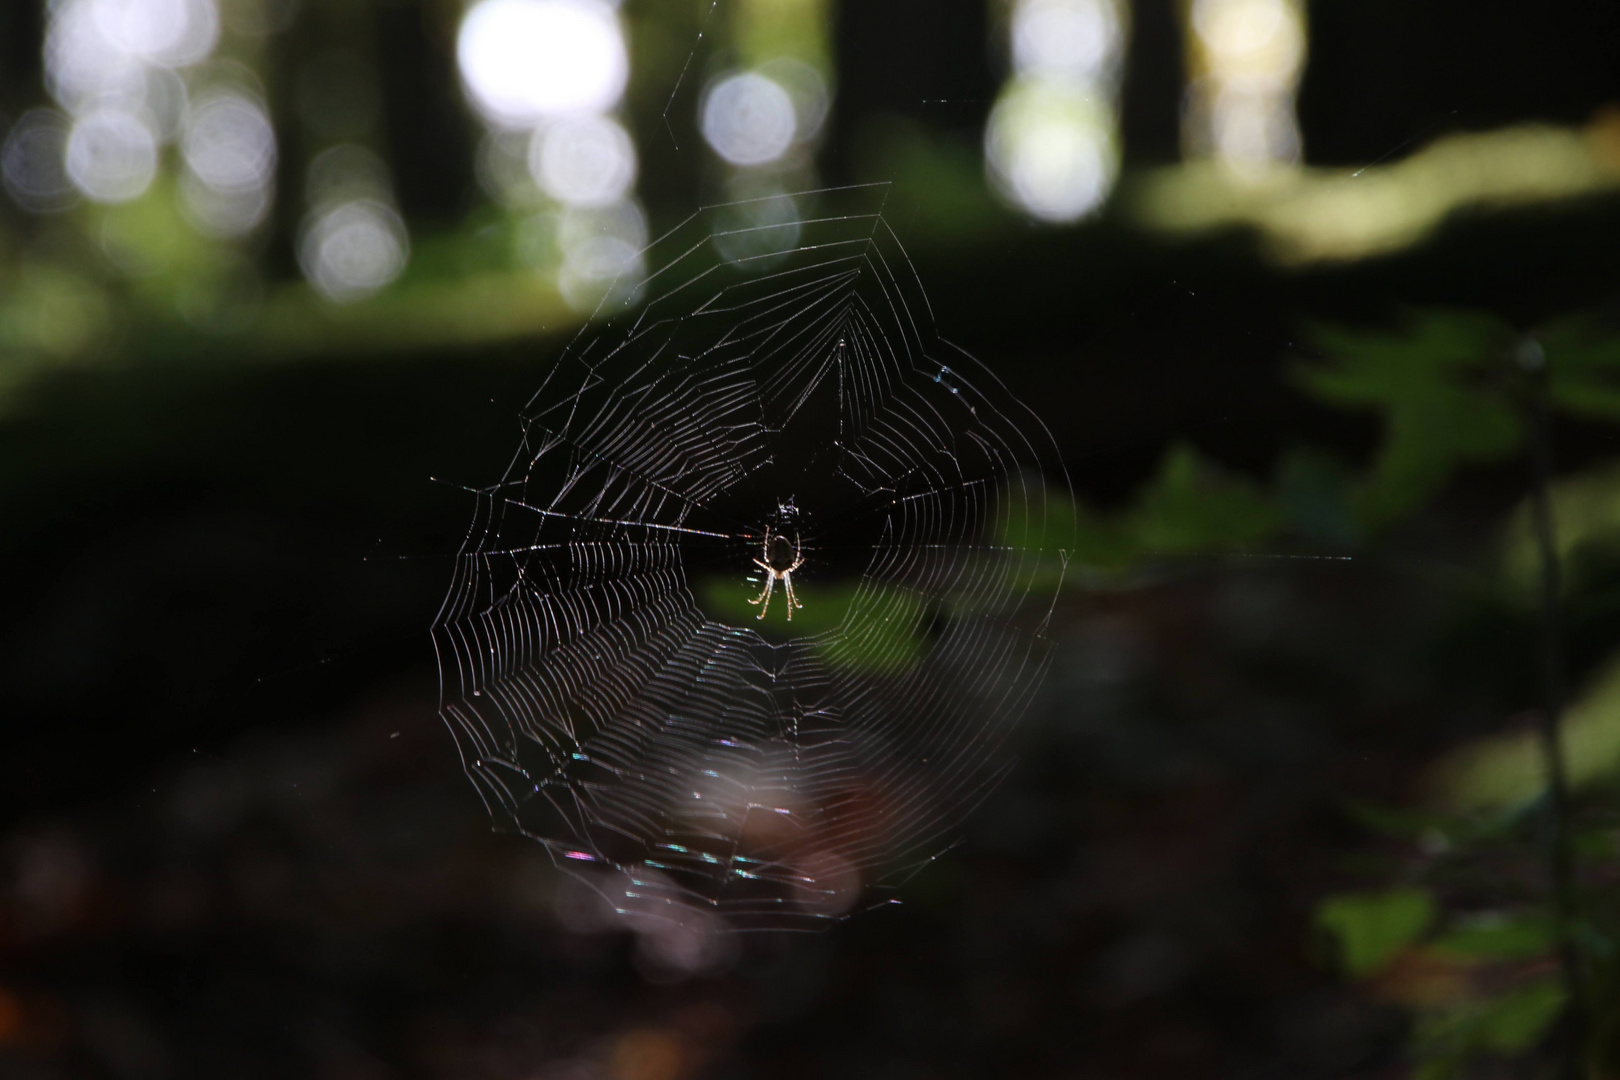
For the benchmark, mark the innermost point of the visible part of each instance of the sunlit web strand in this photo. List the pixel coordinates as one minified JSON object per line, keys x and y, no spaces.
{"x":613,"y":693}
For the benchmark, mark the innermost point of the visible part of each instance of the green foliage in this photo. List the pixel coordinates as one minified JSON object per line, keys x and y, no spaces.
{"x":1193,"y":507}
{"x":1388,"y":820}
{"x":887,"y":629}
{"x":1583,"y":374}
{"x":1499,"y":937}
{"x":1517,"y":1020}
{"x":53,"y":311}
{"x":1450,"y":391}
{"x":1456,"y":1019}
{"x":1507,"y":771}
{"x":887,"y":632}
{"x":1447,"y":395}
{"x":727,"y":599}
{"x":1441,"y":405}
{"x":938,"y":178}
{"x":1507,"y":1023}
{"x":1586,"y":509}
{"x":1052,"y":533}
{"x":1372,"y":928}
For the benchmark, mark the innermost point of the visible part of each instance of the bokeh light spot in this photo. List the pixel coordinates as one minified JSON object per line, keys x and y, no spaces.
{"x":749,"y":119}
{"x":1051,"y":151}
{"x":755,"y":229}
{"x":224,"y":213}
{"x":526,"y":60}
{"x":1258,"y":37}
{"x":31,"y":162}
{"x":229,"y":142}
{"x":166,"y":102}
{"x":1078,"y":38}
{"x":346,"y":173}
{"x":601,"y":269}
{"x":81,"y":64}
{"x":602,"y":262}
{"x":229,"y":148}
{"x":807,"y":88}
{"x":98,"y":50}
{"x":168,"y":32}
{"x":1247,"y":59}
{"x":111,"y":156}
{"x":353,"y":249}
{"x":588,"y":161}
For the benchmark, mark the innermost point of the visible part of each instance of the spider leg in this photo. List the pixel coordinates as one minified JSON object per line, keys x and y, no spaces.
{"x":765,"y":597}
{"x":792,"y":602}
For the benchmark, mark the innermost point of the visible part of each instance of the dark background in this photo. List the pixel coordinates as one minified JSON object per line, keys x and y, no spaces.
{"x":237,"y":840}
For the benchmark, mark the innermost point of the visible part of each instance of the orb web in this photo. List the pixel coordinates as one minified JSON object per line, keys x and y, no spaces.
{"x":776,"y":397}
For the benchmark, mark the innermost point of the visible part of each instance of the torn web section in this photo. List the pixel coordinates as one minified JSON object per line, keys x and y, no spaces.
{"x":623,"y":668}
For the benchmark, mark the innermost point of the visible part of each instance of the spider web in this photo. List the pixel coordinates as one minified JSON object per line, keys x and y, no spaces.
{"x":616,"y":691}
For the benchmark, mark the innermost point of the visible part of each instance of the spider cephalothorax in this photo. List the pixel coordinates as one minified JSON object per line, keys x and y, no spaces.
{"x":795,"y":557}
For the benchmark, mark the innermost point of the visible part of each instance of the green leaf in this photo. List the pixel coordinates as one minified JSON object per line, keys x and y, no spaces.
{"x":1056,"y":539}
{"x":1507,"y":771}
{"x":1440,"y":1068}
{"x":1586,"y":515}
{"x":1372,"y":928}
{"x":885,"y":631}
{"x":1517,"y":1020}
{"x":1389,"y":820}
{"x":1194,"y":507}
{"x":826,"y":606}
{"x":1583,"y":372}
{"x":1491,"y":937}
{"x":1442,"y":409}
{"x":1509,"y":1023}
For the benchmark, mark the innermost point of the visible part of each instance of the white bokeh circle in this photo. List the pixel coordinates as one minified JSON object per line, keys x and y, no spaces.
{"x":228,"y":141}
{"x":111,"y":156}
{"x":523,"y":61}
{"x":172,"y":33}
{"x":1050,"y":151}
{"x":586,"y":161}
{"x":353,"y":249}
{"x":749,"y":119}
{"x":1075,"y":38}
{"x":32,"y":165}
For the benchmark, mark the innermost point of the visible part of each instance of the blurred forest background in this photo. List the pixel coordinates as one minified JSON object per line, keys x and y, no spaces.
{"x":1292,"y":284}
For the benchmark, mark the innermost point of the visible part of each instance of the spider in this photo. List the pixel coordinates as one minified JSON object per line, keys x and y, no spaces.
{"x":772,"y":575}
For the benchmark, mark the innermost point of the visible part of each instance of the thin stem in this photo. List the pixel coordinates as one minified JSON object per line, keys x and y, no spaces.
{"x":1560,"y":853}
